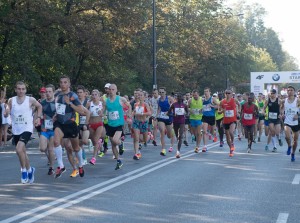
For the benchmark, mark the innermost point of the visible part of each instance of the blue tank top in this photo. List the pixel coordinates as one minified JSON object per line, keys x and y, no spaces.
{"x":115,"y":112}
{"x":164,"y":105}
{"x":207,"y":109}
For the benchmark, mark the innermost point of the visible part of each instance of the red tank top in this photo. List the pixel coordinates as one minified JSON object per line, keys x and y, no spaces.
{"x":248,"y":117}
{"x":229,"y":111}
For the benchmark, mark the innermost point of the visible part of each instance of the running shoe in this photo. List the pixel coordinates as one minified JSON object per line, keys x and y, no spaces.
{"x":215,"y":139}
{"x":253,"y":141}
{"x":93,"y":161}
{"x":221,"y":143}
{"x":170,"y":149}
{"x":139,"y":155}
{"x":280,"y":142}
{"x":288,"y":152}
{"x":81,"y":171}
{"x":185,"y":143}
{"x":293,"y":157}
{"x":24,"y":177}
{"x":163,"y":152}
{"x":274,"y":150}
{"x":31,"y":175}
{"x":74,"y":173}
{"x":121,"y":148}
{"x":196,"y":150}
{"x":59,"y":171}
{"x":101,"y":154}
{"x":209,"y":137}
{"x":266,"y":147}
{"x":231,"y":153}
{"x":249,"y":150}
{"x":84,"y":162}
{"x":154,"y":143}
{"x":119,"y":164}
{"x":135,"y":157}
{"x":204,"y":149}
{"x":177,"y":155}
{"x":50,"y":171}
{"x":232,"y":147}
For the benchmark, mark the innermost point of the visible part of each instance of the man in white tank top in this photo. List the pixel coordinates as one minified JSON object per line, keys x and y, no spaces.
{"x":20,"y":108}
{"x":290,"y":108}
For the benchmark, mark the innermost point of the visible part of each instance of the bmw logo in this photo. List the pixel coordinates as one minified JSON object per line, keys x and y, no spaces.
{"x":276,"y":77}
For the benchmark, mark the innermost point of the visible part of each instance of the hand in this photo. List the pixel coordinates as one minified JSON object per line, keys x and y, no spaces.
{"x":37,"y":122}
{"x":67,"y":99}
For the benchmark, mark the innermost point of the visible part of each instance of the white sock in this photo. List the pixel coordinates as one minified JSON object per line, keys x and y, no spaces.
{"x":29,"y":170}
{"x":23,"y":170}
{"x":58,"y":153}
{"x":80,"y":159}
{"x":274,"y":141}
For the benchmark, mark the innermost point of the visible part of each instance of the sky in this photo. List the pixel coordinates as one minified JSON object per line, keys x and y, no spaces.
{"x":282,"y":17}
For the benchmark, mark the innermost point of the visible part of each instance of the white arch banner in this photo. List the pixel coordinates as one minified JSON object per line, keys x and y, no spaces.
{"x":262,"y":81}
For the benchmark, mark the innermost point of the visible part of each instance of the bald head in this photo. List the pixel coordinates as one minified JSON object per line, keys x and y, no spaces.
{"x":113,"y":89}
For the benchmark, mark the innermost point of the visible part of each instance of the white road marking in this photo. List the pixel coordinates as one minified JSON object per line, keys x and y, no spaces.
{"x":94,"y":190}
{"x":282,"y":218}
{"x":296,"y":179}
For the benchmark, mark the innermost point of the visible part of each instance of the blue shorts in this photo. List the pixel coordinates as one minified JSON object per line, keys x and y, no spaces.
{"x":48,"y":134}
{"x":266,"y":122}
{"x":195,"y":123}
{"x":142,"y":126}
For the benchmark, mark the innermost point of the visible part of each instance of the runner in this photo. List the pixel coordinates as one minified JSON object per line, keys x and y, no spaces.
{"x":153,"y":120}
{"x":219,"y":121}
{"x":209,"y":120}
{"x":195,"y":105}
{"x":47,"y":134}
{"x":20,"y":108}
{"x":289,"y":109}
{"x":249,"y":112}
{"x":178,"y":109}
{"x":164,"y":121}
{"x":229,"y":107}
{"x":261,"y":116}
{"x":187,"y":127}
{"x":65,"y":126}
{"x":114,"y":106}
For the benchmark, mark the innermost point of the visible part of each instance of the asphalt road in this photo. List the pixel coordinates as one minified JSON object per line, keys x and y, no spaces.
{"x":207,"y":187}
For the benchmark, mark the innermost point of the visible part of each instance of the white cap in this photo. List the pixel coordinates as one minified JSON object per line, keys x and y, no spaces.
{"x":215,"y":95}
{"x":107,"y":85}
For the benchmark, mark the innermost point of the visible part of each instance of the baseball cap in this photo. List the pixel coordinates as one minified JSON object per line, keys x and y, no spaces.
{"x":43,"y":90}
{"x":107,"y":85}
{"x":273,"y":91}
{"x":215,"y":95}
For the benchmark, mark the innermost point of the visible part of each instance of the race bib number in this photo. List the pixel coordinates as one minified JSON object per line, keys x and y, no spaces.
{"x":273,"y":115}
{"x":196,"y":111}
{"x":48,"y":124}
{"x":114,"y":115}
{"x":139,"y":110}
{"x":163,"y":115}
{"x":60,"y":109}
{"x":291,"y":111}
{"x":20,"y":120}
{"x":229,"y":113}
{"x":261,"y":111}
{"x":248,"y":116}
{"x":206,"y":107}
{"x":82,"y":120}
{"x":179,"y":111}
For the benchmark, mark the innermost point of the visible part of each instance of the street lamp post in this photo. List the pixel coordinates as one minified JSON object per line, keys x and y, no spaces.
{"x":154,"y":45}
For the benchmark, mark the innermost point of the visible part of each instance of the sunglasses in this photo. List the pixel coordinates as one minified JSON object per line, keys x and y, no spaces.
{"x":228,"y":93}
{"x":161,"y":92}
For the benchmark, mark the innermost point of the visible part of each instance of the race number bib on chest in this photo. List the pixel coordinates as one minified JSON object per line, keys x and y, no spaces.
{"x":139,"y":110}
{"x":82,"y":120}
{"x":48,"y":124}
{"x":114,"y":115}
{"x":291,"y":111}
{"x":179,"y":111}
{"x":229,"y":113}
{"x":207,"y":107}
{"x":273,"y":115}
{"x":163,"y":115}
{"x":60,"y":108}
{"x":196,"y":111}
{"x":95,"y":111}
{"x":20,"y":120}
{"x":248,"y":116}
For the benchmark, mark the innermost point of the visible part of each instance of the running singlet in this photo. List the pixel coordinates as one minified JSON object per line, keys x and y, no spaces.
{"x":164,"y":108}
{"x":219,"y":115}
{"x":140,"y":109}
{"x":154,"y":105}
{"x":179,"y":110}
{"x":66,"y":114}
{"x":248,"y":117}
{"x":21,"y":116}
{"x":115,"y":112}
{"x":48,"y":113}
{"x":273,"y":109}
{"x":290,"y":110}
{"x":208,"y":110}
{"x":196,"y":106}
{"x":261,"y":108}
{"x":94,"y":109}
{"x":229,"y":111}
{"x":82,"y":118}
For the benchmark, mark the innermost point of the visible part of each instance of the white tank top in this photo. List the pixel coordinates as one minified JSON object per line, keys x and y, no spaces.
{"x":21,"y":116}
{"x":95,"y":108}
{"x":154,"y":104}
{"x":290,"y":110}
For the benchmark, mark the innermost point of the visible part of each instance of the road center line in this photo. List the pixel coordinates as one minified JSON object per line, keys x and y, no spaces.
{"x":69,"y":201}
{"x":282,"y":218}
{"x":296,"y":179}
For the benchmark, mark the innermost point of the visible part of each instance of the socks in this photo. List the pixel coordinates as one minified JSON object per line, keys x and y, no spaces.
{"x":80,"y":159}
{"x":58,"y":153}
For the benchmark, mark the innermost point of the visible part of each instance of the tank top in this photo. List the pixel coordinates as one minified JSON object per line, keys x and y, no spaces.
{"x":164,"y":107}
{"x":21,"y":115}
{"x":115,"y":112}
{"x":229,"y":111}
{"x":218,"y":115}
{"x":94,"y":109}
{"x":196,"y":106}
{"x":154,"y":105}
{"x":48,"y":113}
{"x":140,"y":108}
{"x":290,"y":110}
{"x":273,"y":109}
{"x":179,"y":112}
{"x":207,"y":109}
{"x":248,"y":117}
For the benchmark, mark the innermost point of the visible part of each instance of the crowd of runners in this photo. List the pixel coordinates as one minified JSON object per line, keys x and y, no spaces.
{"x":69,"y":120}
